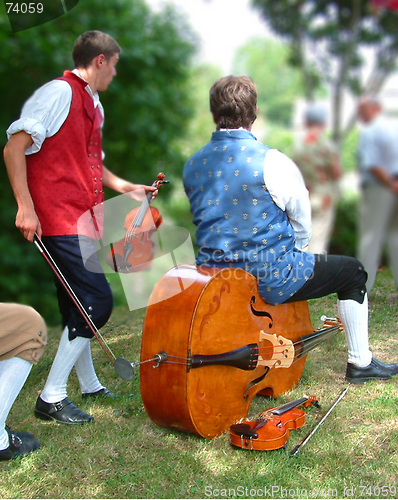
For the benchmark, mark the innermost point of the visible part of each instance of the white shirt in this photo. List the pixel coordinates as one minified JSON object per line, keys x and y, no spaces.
{"x":378,"y":147}
{"x":287,"y":189}
{"x":286,"y":186}
{"x":46,"y":110}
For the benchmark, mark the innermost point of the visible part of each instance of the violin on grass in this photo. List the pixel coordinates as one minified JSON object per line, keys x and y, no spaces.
{"x":271,"y":429}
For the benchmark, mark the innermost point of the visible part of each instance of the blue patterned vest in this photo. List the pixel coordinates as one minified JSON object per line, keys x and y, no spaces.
{"x":238,"y":224}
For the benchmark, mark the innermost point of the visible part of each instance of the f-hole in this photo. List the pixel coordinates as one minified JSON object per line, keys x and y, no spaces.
{"x":260,"y":313}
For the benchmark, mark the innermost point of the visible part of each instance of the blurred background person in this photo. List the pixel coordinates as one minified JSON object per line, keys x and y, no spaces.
{"x":378,"y":169}
{"x":318,"y":160}
{"x":23,"y":337}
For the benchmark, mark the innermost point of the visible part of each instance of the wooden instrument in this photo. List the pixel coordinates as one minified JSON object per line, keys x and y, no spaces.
{"x":210,"y":344}
{"x":271,"y":429}
{"x":134,"y":252}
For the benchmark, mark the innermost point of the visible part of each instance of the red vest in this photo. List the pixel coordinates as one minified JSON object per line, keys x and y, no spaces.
{"x":65,"y":176}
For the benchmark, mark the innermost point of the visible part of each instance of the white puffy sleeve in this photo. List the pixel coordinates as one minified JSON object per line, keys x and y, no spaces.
{"x":287,"y":189}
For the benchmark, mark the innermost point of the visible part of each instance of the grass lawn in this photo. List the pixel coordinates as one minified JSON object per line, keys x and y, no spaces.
{"x":124,"y":455}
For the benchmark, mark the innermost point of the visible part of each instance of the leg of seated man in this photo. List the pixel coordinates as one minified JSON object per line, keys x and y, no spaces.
{"x":346,"y":277}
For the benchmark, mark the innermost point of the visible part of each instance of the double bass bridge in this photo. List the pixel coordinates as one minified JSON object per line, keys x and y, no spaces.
{"x":278,"y":354}
{"x":281,"y":351}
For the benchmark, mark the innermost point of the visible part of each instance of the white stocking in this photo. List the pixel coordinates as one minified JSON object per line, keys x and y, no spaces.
{"x":85,"y":371}
{"x":355,"y":320}
{"x":66,"y":357}
{"x":13,"y":374}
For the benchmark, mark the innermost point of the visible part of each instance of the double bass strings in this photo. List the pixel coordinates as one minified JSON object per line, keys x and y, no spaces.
{"x":305,"y":345}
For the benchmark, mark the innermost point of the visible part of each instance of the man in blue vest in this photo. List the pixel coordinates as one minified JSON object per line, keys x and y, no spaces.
{"x":252,"y":211}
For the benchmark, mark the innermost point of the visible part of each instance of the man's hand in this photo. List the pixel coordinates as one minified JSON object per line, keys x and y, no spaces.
{"x":28,"y":223}
{"x":139,"y":191}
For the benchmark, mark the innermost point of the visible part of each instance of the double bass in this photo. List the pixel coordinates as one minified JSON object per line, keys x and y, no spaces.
{"x":210,"y":343}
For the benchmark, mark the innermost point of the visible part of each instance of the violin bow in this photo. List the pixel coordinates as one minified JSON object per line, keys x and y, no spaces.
{"x":296,"y":450}
{"x":123,"y":368}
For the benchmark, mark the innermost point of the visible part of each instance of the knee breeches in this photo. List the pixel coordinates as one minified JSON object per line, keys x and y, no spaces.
{"x":87,"y":280}
{"x":23,"y":333}
{"x":339,"y":274}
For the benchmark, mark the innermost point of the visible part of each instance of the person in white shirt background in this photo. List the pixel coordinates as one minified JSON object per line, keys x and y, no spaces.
{"x":378,"y":206}
{"x":252,"y":211}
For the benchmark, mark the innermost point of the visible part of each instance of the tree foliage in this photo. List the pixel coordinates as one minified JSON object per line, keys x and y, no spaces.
{"x":331,"y":40}
{"x":278,"y":84}
{"x":147,"y":107}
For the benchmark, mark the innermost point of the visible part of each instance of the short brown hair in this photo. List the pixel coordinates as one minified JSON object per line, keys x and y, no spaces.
{"x":91,"y":44}
{"x":233,"y":102}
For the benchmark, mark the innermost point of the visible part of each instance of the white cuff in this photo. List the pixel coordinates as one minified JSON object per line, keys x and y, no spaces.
{"x":32,"y":127}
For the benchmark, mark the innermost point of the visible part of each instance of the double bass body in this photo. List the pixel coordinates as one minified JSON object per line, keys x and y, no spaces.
{"x":191,"y":389}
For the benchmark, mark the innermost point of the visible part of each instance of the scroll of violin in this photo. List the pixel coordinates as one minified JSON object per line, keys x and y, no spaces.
{"x":220,"y":346}
{"x":271,"y":429}
{"x":134,"y":252}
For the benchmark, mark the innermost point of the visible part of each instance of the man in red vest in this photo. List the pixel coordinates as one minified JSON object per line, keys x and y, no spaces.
{"x":54,"y":163}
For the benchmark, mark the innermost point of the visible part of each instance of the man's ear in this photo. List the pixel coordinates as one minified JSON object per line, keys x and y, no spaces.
{"x":99,"y":60}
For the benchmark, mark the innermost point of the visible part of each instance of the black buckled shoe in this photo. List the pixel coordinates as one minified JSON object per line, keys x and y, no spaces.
{"x":376,"y":370}
{"x":21,"y":435}
{"x":102,"y":393}
{"x":63,"y":412}
{"x":18,"y":446}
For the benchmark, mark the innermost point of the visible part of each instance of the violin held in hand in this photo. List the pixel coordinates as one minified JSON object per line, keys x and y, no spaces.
{"x":271,"y":429}
{"x":135,"y":251}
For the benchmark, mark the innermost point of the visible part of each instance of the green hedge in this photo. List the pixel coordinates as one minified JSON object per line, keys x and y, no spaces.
{"x":344,"y":236}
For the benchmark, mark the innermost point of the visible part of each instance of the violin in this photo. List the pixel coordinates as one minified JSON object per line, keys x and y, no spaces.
{"x":271,"y":429}
{"x":135,"y":251}
{"x":221,"y":345}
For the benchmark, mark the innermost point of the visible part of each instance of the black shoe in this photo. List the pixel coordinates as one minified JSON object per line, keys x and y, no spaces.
{"x":63,"y":412}
{"x":18,"y":447}
{"x":102,"y":393}
{"x":375,"y":370}
{"x":21,"y":435}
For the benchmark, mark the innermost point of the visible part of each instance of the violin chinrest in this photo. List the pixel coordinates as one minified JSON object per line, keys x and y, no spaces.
{"x":244,"y":430}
